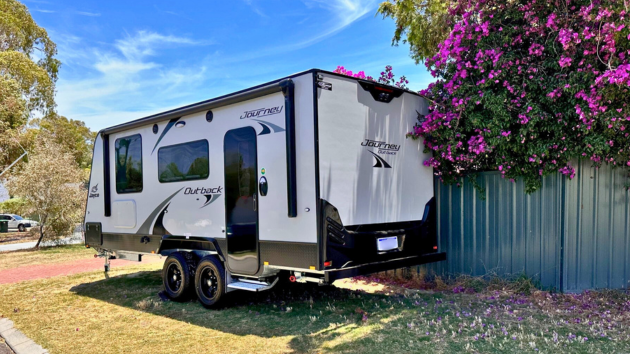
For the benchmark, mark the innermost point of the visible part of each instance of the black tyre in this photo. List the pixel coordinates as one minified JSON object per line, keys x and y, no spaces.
{"x":176,"y":277}
{"x":21,"y":228}
{"x":210,"y":281}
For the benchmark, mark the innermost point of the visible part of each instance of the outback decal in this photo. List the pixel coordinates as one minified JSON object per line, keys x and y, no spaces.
{"x":262,"y":112}
{"x":211,"y":194}
{"x":380,"y":148}
{"x":94,"y":192}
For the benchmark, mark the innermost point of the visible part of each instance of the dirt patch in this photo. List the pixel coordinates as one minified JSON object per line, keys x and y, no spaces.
{"x":4,"y":348}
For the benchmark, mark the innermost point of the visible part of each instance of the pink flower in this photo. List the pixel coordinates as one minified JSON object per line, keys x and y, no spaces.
{"x":551,"y":22}
{"x":568,"y":171}
{"x":565,"y":61}
{"x":477,"y":144}
{"x":536,"y":49}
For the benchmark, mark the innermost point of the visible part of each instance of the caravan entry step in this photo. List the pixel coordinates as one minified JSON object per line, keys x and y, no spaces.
{"x":251,"y":285}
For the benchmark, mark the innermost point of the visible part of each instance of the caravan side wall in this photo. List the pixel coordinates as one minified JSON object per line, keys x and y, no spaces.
{"x":188,"y":208}
{"x":368,"y":170}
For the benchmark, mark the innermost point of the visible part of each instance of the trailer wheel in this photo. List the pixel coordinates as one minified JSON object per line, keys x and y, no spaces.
{"x":176,"y":277}
{"x":210,"y":281}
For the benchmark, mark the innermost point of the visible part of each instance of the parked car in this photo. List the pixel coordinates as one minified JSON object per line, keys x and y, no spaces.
{"x":18,"y":222}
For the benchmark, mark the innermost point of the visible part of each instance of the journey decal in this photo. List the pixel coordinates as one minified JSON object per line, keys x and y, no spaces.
{"x":377,"y":148}
{"x":255,"y":114}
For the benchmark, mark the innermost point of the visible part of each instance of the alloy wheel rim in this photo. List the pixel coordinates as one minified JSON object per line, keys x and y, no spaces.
{"x":208,"y":283}
{"x":174,"y":277}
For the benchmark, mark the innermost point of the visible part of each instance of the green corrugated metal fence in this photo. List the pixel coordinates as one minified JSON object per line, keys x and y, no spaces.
{"x":571,"y":234}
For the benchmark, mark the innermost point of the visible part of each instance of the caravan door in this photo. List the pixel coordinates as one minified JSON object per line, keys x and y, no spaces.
{"x":241,"y":200}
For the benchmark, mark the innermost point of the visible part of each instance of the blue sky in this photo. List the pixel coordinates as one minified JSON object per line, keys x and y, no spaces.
{"x":123,"y":60}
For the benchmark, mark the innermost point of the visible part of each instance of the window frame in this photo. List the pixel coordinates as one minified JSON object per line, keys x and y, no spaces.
{"x":141,"y":165}
{"x":179,"y":144}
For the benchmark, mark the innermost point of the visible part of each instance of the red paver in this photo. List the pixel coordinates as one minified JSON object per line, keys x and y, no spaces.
{"x":39,"y":271}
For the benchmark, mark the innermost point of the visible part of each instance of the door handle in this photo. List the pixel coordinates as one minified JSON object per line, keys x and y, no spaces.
{"x":254,"y":201}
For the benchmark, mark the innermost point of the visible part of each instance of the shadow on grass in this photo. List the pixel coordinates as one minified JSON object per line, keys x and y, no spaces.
{"x":312,"y":314}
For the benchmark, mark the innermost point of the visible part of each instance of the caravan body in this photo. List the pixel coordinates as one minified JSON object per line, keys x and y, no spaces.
{"x":310,"y":174}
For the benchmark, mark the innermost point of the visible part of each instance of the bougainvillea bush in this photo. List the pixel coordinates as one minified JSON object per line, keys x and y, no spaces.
{"x":524,"y":87}
{"x":387,"y":76}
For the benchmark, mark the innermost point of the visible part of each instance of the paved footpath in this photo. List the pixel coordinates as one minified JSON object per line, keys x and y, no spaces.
{"x":76,"y":239}
{"x":39,"y":271}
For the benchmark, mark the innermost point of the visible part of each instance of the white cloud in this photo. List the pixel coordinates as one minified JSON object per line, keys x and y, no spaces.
{"x":44,"y":11}
{"x":121,"y":81}
{"x":341,"y":14}
{"x":254,"y":6}
{"x":86,"y":13}
{"x":134,"y":76}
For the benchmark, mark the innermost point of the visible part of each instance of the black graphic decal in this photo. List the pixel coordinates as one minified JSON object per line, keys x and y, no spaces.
{"x":266,"y":125}
{"x":210,"y":198}
{"x":170,"y":124}
{"x":265,"y":130}
{"x":146,"y":225}
{"x":94,"y":192}
{"x":380,"y":163}
{"x":159,"y":228}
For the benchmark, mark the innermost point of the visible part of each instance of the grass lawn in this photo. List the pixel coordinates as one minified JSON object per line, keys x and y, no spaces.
{"x":88,"y":313}
{"x":46,"y":255}
{"x":122,"y":313}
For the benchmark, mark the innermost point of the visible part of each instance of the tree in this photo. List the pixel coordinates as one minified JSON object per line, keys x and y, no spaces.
{"x":72,"y":134}
{"x":28,"y":72}
{"x":422,"y":24}
{"x":21,"y":41}
{"x":51,"y":186}
{"x":525,"y":87}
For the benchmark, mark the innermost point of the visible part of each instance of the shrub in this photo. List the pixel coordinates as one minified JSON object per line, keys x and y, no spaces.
{"x":523,"y":87}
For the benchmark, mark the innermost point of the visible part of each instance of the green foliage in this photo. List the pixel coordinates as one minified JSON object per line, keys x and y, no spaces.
{"x":20,"y":39}
{"x":51,"y":185}
{"x":72,"y":134}
{"x":525,"y":87}
{"x":13,"y":111}
{"x":13,"y":206}
{"x":422,"y":24}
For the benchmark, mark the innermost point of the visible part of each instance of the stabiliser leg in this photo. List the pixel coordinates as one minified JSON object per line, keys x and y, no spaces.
{"x":107,"y":255}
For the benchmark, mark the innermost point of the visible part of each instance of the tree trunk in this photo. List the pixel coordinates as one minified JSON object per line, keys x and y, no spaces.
{"x":41,"y":235}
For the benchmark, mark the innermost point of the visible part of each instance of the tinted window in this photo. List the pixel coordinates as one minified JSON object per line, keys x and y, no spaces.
{"x":183,"y":162}
{"x":129,"y":164}
{"x":17,"y":217}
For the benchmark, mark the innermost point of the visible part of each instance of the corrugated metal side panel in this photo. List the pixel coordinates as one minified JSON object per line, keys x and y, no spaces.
{"x":597,"y":231}
{"x":508,"y":232}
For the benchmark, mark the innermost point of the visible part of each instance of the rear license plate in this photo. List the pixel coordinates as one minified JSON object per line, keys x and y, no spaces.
{"x":387,"y":243}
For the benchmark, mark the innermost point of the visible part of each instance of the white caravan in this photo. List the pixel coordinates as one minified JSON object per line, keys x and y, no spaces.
{"x":308,"y":177}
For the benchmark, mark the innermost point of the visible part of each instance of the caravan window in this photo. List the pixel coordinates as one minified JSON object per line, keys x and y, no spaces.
{"x":129,"y":164}
{"x":183,"y":162}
